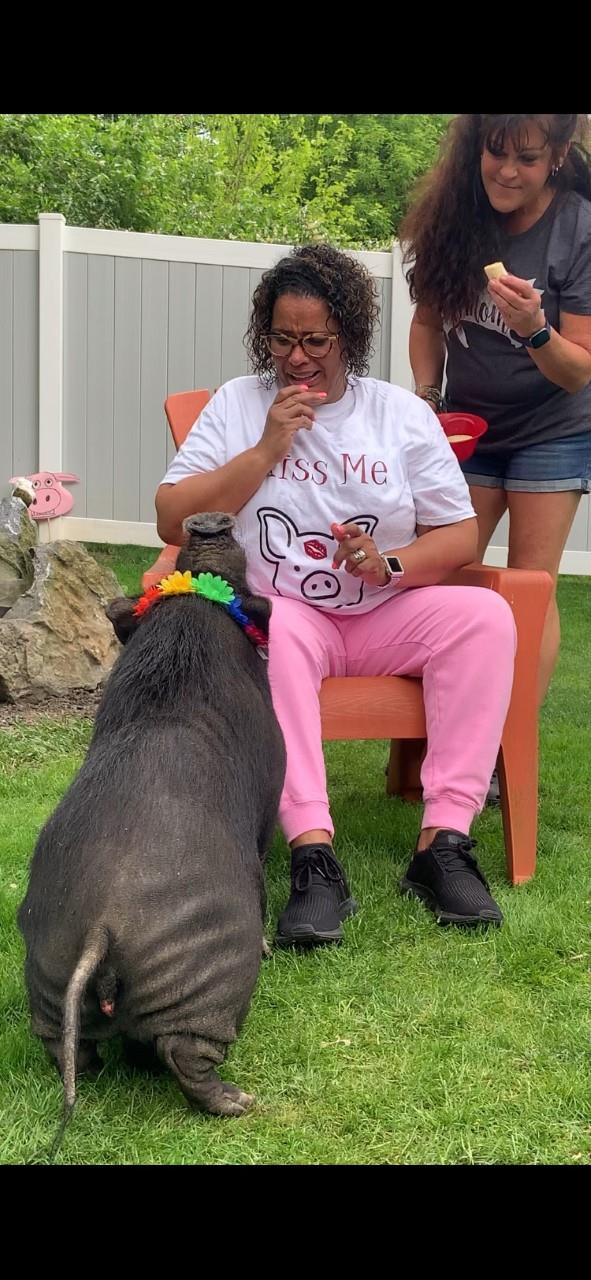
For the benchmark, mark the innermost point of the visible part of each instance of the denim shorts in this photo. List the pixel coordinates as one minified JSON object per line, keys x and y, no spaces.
{"x":553,"y":466}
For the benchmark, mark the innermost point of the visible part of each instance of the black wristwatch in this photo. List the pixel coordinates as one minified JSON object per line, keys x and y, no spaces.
{"x":537,"y":339}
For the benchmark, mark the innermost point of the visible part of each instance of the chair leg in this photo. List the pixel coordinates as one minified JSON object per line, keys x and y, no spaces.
{"x":518,"y":783}
{"x":403,"y":775}
{"x":518,"y":786}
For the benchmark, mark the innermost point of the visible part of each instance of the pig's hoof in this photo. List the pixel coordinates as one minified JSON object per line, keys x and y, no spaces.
{"x":267,"y":949}
{"x":233,"y":1102}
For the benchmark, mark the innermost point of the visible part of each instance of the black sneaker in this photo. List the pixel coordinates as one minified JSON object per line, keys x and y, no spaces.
{"x":319,"y":899}
{"x":447,"y":878}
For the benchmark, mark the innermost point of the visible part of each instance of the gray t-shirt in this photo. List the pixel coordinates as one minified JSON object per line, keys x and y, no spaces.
{"x":489,"y":373}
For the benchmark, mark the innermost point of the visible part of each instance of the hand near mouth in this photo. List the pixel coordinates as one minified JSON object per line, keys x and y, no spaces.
{"x":292,"y":409}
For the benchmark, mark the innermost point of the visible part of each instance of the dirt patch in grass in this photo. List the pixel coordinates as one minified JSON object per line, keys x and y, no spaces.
{"x":77,"y":702}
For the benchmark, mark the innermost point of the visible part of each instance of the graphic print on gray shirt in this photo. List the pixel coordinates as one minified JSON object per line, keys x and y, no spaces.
{"x":489,"y":373}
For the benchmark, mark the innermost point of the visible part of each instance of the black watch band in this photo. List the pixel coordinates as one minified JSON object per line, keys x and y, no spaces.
{"x":537,"y":339}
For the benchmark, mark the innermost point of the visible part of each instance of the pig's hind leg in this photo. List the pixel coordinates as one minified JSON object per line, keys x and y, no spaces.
{"x":140,"y":1056}
{"x":88,"y":1061}
{"x":192,"y":1060}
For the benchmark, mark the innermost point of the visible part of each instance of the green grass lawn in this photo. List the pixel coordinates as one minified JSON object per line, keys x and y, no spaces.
{"x":410,"y":1044}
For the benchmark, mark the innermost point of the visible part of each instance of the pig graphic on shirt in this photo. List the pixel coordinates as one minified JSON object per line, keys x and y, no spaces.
{"x":307,"y":557}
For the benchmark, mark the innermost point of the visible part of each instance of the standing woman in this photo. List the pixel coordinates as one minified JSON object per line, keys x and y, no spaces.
{"x":513,"y":190}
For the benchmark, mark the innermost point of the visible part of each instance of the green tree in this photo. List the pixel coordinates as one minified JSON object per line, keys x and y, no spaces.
{"x":272,"y":177}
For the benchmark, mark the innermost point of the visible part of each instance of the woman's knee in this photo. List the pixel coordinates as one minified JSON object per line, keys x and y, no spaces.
{"x":481,"y":616}
{"x":495,"y":618}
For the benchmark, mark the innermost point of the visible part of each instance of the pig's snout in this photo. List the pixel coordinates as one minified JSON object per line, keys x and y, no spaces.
{"x":46,"y":502}
{"x":208,"y":523}
{"x":320,"y":585}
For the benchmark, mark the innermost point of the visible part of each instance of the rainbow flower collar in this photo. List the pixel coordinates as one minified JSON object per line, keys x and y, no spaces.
{"x":211,"y":588}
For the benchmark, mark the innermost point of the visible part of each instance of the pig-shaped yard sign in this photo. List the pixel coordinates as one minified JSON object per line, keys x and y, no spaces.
{"x":50,"y":499}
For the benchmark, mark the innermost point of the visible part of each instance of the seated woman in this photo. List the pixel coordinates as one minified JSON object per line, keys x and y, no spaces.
{"x":352,"y":509}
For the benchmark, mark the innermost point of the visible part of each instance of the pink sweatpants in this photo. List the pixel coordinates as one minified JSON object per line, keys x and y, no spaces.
{"x":461,"y":640}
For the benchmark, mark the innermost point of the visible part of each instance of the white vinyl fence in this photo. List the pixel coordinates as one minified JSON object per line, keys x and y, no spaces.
{"x":98,"y":327}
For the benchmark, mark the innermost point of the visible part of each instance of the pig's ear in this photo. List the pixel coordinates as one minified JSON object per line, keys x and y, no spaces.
{"x":258,"y":609}
{"x":120,"y":613}
{"x":277,"y":533}
{"x":367,"y":523}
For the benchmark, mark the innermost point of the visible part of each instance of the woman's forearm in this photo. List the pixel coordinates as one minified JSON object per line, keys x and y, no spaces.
{"x":563,"y":362}
{"x":225,"y":489}
{"x":565,"y":359}
{"x":437,"y":553}
{"x":426,"y":350}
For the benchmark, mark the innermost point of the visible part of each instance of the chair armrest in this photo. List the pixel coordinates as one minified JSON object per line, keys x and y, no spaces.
{"x":528,"y":592}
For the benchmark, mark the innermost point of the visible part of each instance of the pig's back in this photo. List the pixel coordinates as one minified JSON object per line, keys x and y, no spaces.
{"x":156,"y":840}
{"x":186,"y":945}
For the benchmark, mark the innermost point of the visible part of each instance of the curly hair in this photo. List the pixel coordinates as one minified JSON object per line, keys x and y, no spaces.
{"x":336,"y":278}
{"x":451,"y":229}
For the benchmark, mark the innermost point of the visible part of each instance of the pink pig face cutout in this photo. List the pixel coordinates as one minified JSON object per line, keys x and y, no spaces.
{"x":310,"y":557}
{"x":50,"y":498}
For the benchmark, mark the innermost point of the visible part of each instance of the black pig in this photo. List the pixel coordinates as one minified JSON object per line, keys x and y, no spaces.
{"x":144,"y":911}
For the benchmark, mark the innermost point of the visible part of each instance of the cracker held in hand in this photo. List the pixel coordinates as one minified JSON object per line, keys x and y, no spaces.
{"x":495,"y":270}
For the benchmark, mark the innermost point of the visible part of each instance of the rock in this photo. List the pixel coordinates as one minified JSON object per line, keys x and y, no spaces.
{"x":18,"y":538}
{"x":56,"y":637}
{"x":23,"y":488}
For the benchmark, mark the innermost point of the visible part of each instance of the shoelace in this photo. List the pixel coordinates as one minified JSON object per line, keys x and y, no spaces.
{"x":315,"y":861}
{"x":459,"y":859}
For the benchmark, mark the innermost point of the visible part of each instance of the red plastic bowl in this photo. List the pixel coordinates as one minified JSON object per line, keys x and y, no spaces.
{"x":463,"y":424}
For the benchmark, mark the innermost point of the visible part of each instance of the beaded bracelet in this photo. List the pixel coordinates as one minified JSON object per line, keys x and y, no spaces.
{"x":431,"y":394}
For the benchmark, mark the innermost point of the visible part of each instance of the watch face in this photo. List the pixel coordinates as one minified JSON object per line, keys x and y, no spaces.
{"x":395,"y":564}
{"x":539,"y":339}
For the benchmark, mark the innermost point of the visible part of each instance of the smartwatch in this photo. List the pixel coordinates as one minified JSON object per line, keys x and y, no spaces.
{"x":394,"y":569}
{"x":537,"y":339}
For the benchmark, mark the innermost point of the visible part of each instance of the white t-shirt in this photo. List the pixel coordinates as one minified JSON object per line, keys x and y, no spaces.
{"x":377,"y":457}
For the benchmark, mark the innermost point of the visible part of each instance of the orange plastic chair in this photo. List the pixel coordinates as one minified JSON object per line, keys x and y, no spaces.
{"x":366,"y":707}
{"x":182,"y":410}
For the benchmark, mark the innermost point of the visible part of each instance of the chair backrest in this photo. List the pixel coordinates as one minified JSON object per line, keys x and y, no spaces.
{"x":182,"y":410}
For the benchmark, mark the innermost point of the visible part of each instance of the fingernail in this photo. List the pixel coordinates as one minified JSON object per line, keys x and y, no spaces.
{"x":334,"y":564}
{"x":322,"y":393}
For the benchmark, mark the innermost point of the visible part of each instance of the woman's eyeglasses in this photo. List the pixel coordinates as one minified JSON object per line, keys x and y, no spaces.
{"x":317,"y":345}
